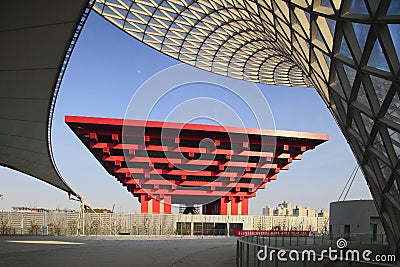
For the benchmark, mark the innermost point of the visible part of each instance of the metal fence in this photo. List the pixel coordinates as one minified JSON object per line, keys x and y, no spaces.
{"x":74,"y":223}
{"x":265,"y":250}
{"x":314,"y":240}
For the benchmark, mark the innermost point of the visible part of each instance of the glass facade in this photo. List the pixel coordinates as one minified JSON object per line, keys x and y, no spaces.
{"x":348,"y":50}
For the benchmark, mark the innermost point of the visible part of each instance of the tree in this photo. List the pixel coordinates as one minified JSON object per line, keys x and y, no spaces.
{"x":4,"y":222}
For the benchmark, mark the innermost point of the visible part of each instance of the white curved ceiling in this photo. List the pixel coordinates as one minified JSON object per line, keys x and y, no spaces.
{"x":35,"y":37}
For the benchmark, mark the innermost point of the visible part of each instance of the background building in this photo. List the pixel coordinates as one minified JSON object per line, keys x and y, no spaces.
{"x":285,"y":209}
{"x":355,"y":217}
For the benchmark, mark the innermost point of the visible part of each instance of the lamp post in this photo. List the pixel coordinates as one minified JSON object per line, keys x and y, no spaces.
{"x":1,"y":197}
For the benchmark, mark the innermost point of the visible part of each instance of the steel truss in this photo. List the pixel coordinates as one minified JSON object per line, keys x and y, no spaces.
{"x":348,"y":50}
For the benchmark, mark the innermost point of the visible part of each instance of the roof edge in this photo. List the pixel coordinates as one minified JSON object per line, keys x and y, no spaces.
{"x":191,"y":126}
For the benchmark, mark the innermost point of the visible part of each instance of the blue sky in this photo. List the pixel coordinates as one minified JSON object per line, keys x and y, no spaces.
{"x":106,"y":69}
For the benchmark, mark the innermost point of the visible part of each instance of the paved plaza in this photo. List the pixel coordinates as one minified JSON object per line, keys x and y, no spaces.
{"x":116,"y":251}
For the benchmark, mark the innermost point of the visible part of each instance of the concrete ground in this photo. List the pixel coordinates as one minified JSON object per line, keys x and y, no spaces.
{"x":117,"y":251}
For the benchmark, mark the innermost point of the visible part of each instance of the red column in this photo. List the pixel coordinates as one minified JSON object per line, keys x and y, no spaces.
{"x":234,"y":206}
{"x":156,"y":206}
{"x":144,"y":204}
{"x":167,"y":205}
{"x":223,"y":210}
{"x":245,"y":206}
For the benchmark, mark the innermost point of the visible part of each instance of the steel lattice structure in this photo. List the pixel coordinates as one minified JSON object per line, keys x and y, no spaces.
{"x":348,"y":50}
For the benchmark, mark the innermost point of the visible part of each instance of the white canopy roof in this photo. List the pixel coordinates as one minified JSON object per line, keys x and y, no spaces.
{"x":35,"y":37}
